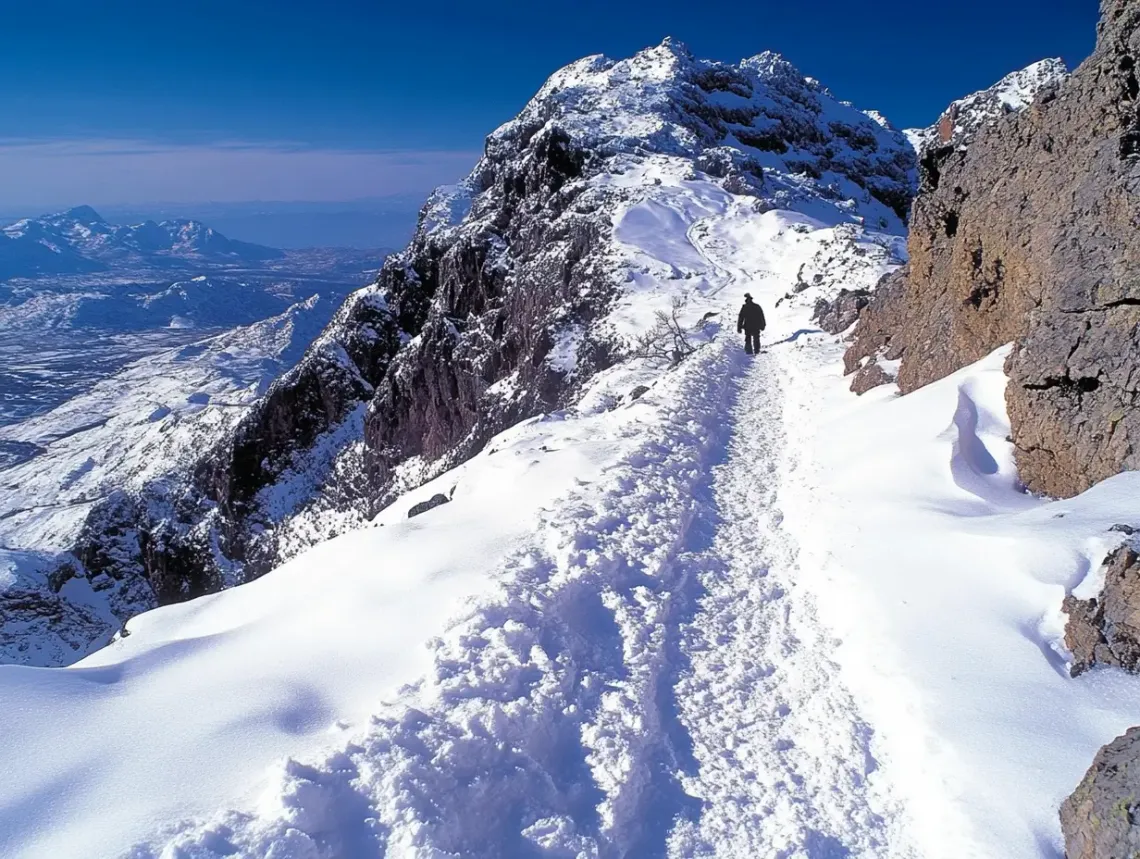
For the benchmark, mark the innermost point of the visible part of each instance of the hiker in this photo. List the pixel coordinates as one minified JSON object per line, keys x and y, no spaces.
{"x":751,"y":322}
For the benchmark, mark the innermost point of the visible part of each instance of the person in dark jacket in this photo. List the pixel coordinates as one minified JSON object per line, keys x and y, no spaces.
{"x":751,"y":322}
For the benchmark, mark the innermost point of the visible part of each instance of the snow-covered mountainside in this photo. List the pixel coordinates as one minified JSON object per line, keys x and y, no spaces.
{"x":110,"y":380}
{"x":722,"y":608}
{"x":509,"y":299}
{"x":964,"y":118}
{"x":705,"y":607}
{"x":79,"y":240}
{"x":150,"y":418}
{"x":526,"y":557}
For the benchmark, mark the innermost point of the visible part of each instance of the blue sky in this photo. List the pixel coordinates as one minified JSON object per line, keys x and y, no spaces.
{"x":117,"y":101}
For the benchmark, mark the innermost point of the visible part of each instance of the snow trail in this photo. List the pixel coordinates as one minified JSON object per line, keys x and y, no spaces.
{"x":784,"y":759}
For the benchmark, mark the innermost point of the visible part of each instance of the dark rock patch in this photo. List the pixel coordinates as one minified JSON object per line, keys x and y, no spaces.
{"x":424,"y":506}
{"x":1106,"y":630}
{"x":839,"y":314}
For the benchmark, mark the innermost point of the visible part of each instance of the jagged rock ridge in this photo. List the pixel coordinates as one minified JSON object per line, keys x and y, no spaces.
{"x":495,"y":311}
{"x":964,"y":118}
{"x":1028,"y":235}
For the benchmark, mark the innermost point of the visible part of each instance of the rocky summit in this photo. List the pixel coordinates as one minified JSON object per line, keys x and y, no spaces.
{"x":494,"y":312}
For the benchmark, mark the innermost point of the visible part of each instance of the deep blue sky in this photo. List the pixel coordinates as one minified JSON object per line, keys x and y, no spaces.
{"x":437,"y":76}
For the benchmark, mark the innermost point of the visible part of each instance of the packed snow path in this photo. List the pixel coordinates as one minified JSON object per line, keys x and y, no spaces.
{"x":782,"y":756}
{"x":648,"y":681}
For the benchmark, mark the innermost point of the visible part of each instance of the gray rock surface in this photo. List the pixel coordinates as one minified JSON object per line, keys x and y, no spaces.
{"x":1106,"y":630}
{"x":1100,"y":818}
{"x":839,"y":314}
{"x":1029,"y":235}
{"x":871,"y":376}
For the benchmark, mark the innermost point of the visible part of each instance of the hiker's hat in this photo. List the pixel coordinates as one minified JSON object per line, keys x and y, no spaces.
{"x":748,"y":295}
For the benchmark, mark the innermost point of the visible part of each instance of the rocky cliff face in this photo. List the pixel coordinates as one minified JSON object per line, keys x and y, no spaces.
{"x":496,"y":311}
{"x":1105,"y":630}
{"x":1029,"y":235}
{"x":1099,"y":819}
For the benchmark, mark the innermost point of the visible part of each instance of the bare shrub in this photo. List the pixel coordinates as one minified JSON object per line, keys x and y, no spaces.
{"x":668,"y":339}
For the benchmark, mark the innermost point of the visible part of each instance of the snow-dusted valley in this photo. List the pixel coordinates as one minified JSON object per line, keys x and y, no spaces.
{"x":121,"y":359}
{"x":521,"y":555}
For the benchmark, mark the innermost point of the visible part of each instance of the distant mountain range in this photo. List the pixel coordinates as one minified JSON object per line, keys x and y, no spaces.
{"x":80,"y":240}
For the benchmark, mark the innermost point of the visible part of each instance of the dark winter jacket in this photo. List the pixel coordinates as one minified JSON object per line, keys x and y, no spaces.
{"x":751,"y":317}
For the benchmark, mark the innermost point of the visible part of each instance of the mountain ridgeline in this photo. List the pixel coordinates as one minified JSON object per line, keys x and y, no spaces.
{"x":80,"y":241}
{"x":454,"y":341}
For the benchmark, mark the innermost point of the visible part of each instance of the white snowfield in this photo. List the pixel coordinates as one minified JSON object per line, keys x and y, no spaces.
{"x":745,"y":614}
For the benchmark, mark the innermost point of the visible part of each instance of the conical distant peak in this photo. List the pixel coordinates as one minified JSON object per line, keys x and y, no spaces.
{"x":85,"y":215}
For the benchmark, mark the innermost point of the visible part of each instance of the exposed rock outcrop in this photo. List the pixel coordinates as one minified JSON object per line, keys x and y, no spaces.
{"x":437,"y":500}
{"x":496,"y":310}
{"x":1100,"y":818}
{"x":1106,"y":630}
{"x":840,"y":313}
{"x":1029,"y":235}
{"x":47,"y":617}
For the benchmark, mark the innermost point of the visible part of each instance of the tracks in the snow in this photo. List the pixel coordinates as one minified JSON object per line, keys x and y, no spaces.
{"x":783,"y":758}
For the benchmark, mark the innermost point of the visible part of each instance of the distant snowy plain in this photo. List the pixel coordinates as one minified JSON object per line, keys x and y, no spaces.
{"x":113,"y":377}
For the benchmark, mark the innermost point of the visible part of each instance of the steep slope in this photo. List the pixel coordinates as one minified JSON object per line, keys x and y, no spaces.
{"x":1028,"y":235}
{"x":132,"y":429}
{"x":509,"y":298}
{"x":557,"y":586}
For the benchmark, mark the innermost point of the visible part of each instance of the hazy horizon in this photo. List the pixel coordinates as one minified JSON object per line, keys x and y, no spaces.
{"x":378,"y":223}
{"x":114,"y":104}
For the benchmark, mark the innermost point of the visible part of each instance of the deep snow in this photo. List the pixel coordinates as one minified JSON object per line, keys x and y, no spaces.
{"x":746,"y":614}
